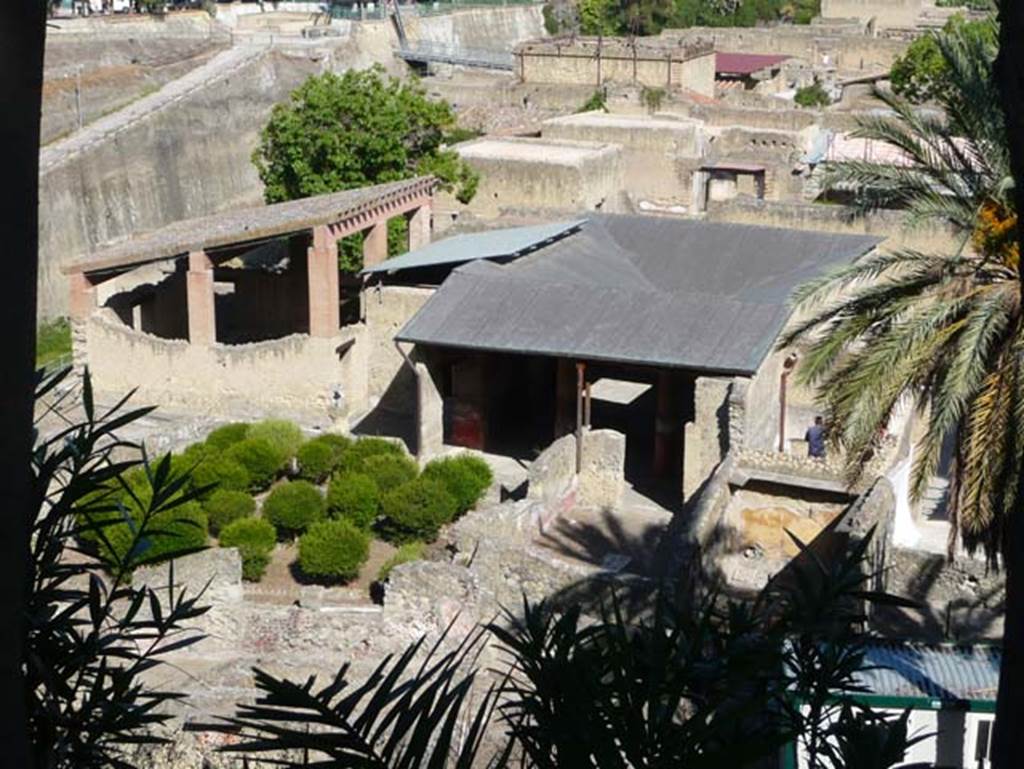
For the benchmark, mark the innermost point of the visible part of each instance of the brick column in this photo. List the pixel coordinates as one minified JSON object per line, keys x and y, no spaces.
{"x":82,"y":301}
{"x":375,"y":244}
{"x":419,"y":227}
{"x":202,"y":318}
{"x":324,"y":293}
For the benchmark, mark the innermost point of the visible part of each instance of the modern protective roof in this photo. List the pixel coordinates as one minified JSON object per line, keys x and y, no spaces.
{"x":939,"y":671}
{"x":492,"y":244}
{"x":249,"y":224}
{"x":745,"y":63}
{"x":636,"y":289}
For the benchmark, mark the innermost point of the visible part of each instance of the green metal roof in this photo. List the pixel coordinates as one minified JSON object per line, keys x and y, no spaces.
{"x":491,"y":244}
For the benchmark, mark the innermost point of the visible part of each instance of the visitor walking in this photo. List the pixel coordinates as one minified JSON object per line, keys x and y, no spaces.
{"x":815,"y":438}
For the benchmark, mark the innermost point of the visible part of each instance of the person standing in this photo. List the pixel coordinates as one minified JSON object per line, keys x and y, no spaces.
{"x":815,"y":438}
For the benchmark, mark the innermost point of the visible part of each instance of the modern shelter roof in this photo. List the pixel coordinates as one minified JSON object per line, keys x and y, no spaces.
{"x":935,"y":671}
{"x":636,"y":289}
{"x":248,"y":224}
{"x":491,"y":244}
{"x":745,"y":63}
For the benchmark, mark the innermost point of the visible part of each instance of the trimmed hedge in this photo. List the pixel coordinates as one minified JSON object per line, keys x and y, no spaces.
{"x":227,"y":435}
{"x":466,"y":477}
{"x":353,"y":458}
{"x":416,"y":510}
{"x":389,"y":471}
{"x":293,"y":506}
{"x":353,"y":497}
{"x":320,"y":457}
{"x":222,"y":472}
{"x":260,"y":459}
{"x":254,"y":538}
{"x":333,"y":550}
{"x":225,"y":506}
{"x":410,"y":551}
{"x":284,"y":436}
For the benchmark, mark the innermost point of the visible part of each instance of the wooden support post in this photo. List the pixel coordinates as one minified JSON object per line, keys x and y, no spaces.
{"x":202,"y":317}
{"x":586,"y":410}
{"x":324,"y":289}
{"x":663,"y":424}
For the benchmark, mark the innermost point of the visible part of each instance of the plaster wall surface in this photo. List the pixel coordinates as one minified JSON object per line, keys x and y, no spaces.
{"x":761,"y":426}
{"x":387,"y":309}
{"x":573,"y":67}
{"x":297,"y":375}
{"x":705,"y":438}
{"x":544,"y":174}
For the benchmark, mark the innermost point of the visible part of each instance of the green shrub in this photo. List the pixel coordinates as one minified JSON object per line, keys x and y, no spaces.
{"x":293,"y":506}
{"x":259,"y":458}
{"x":284,"y":436}
{"x":223,"y":473}
{"x":254,"y":538}
{"x":319,"y":457}
{"x":175,"y":531}
{"x":226,"y":436}
{"x":226,"y":506}
{"x":598,"y":101}
{"x":466,"y":477}
{"x":389,"y":471}
{"x":354,"y":497}
{"x":333,"y":550}
{"x":416,"y":510}
{"x":410,"y":551}
{"x":812,"y":96}
{"x":353,"y":458}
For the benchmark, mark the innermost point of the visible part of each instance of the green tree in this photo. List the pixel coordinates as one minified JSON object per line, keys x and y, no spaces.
{"x":922,"y":72}
{"x":338,"y":132}
{"x":599,"y":17}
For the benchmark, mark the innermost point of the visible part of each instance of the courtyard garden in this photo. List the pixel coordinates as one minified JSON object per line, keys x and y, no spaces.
{"x":325,"y":510}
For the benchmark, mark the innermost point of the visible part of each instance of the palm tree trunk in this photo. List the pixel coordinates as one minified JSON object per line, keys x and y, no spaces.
{"x":1008,"y":739}
{"x":22,"y":34}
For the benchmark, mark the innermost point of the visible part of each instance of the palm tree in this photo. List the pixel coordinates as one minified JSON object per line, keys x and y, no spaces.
{"x":941,"y":332}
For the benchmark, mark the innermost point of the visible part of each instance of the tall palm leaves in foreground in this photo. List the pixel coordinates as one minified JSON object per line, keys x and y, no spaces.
{"x":939,"y":331}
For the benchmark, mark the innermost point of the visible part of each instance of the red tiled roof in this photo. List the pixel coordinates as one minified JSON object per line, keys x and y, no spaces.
{"x":745,"y":63}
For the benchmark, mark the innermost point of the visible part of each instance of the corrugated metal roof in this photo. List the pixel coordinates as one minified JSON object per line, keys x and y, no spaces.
{"x":636,"y":289}
{"x":938,"y":671}
{"x":492,"y":244}
{"x":745,"y":63}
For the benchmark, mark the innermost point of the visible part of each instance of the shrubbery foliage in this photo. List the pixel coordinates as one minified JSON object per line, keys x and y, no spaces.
{"x":254,"y":537}
{"x":354,"y":497}
{"x":416,"y":510}
{"x":225,"y":506}
{"x":333,"y":550}
{"x":466,"y":478}
{"x":293,"y":506}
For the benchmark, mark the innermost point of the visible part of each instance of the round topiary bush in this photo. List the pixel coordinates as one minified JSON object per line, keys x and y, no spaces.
{"x":284,"y":436}
{"x":416,"y":510}
{"x":389,"y":471}
{"x":254,"y":538}
{"x":227,"y":435}
{"x":354,"y":497}
{"x":319,"y":457}
{"x":333,"y":550}
{"x":260,"y":459}
{"x":293,"y":506}
{"x":352,"y":459}
{"x":226,"y":506}
{"x":222,"y":473}
{"x":466,"y":477}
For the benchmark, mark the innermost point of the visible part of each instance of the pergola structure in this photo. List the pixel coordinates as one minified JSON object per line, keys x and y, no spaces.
{"x":319,"y":222}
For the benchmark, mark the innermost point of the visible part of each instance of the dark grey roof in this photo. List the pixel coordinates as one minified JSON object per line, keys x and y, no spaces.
{"x":636,"y":289}
{"x":940,"y":671}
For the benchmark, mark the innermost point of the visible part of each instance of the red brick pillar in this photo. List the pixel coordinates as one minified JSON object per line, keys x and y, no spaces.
{"x":82,"y":301}
{"x":324,"y":293}
{"x":419,"y":227}
{"x":202,"y":316}
{"x":375,"y":244}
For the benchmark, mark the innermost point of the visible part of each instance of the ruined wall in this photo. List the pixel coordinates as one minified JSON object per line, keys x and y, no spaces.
{"x":492,"y":29}
{"x":705,"y":439}
{"x":656,"y":153}
{"x":602,"y":479}
{"x":761,"y":423}
{"x":573,"y":66}
{"x":890,"y":225}
{"x":884,"y":13}
{"x":295,"y":376}
{"x":386,"y":309}
{"x":538,"y":174}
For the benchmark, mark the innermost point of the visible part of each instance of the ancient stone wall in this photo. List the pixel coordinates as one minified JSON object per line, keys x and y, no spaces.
{"x":298,"y":375}
{"x":705,"y":438}
{"x":601,"y":481}
{"x":883,"y":13}
{"x":544,"y":174}
{"x":386,"y":309}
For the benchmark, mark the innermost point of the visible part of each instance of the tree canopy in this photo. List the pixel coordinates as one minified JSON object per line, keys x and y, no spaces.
{"x":339,"y":132}
{"x":649,"y":17}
